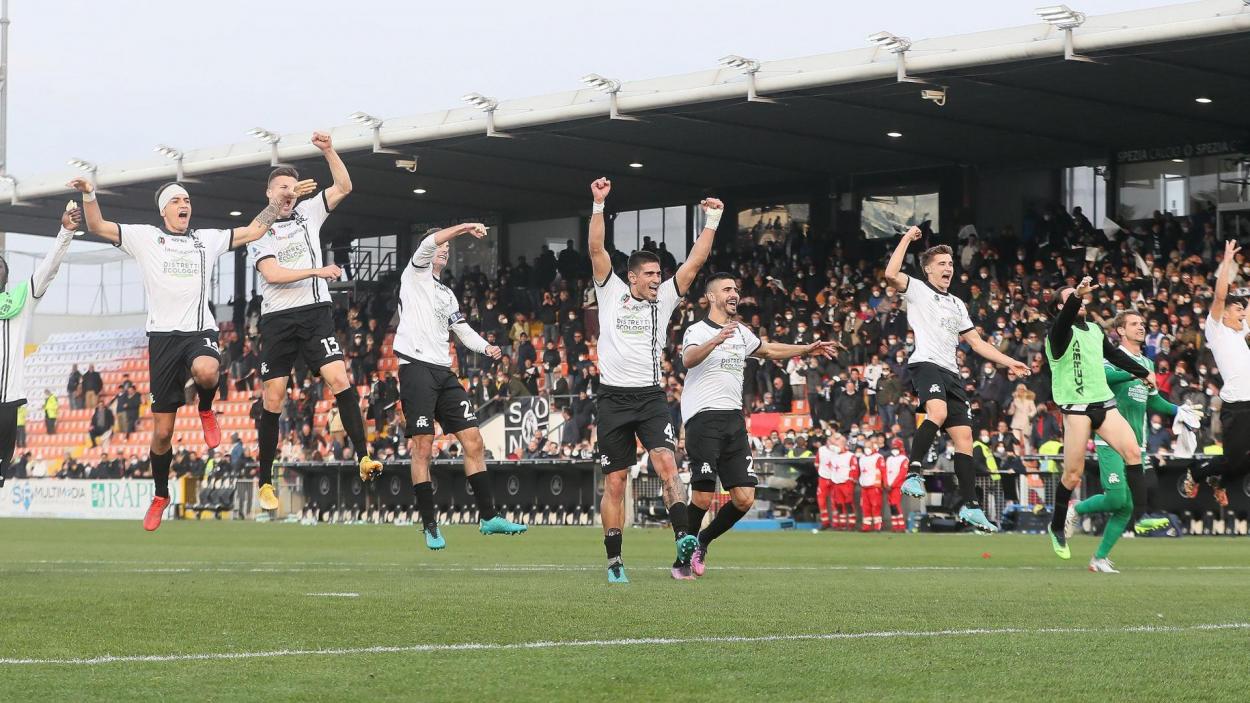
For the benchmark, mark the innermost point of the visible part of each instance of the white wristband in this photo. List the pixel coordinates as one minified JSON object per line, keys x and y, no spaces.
{"x":88,"y":197}
{"x":597,"y":208}
{"x":713,"y":218}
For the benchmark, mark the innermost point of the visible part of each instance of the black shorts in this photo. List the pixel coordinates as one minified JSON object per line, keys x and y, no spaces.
{"x":169,"y":365}
{"x":306,"y":332}
{"x":1097,"y":412}
{"x":716,"y":444}
{"x":628,"y":416}
{"x":430,"y":394}
{"x":931,"y":381}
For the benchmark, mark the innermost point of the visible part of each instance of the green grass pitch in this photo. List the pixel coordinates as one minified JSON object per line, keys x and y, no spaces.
{"x":224,"y":611}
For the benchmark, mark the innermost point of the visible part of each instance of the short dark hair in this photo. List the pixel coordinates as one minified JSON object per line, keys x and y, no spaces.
{"x":640,"y":257}
{"x":718,"y":276}
{"x":928,"y":254}
{"x":1235,"y":300}
{"x":1122,"y":318}
{"x":282,"y":171}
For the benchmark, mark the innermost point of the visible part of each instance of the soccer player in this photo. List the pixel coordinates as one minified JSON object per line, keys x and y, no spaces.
{"x":871,"y":479}
{"x":177,"y":264}
{"x":1135,"y":400}
{"x":895,"y":474}
{"x":428,"y":389}
{"x":633,"y":330}
{"x":845,"y":473}
{"x":296,"y":318}
{"x":17,"y":306}
{"x":1076,"y":350}
{"x":1225,"y":330}
{"x":940,"y":320}
{"x":714,"y":352}
{"x":824,"y":481}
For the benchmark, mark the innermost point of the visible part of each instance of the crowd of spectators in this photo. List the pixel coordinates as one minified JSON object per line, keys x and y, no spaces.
{"x":797,"y":289}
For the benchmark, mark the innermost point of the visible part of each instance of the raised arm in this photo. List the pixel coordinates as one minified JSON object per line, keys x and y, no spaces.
{"x":474,"y":341}
{"x":894,"y":268}
{"x":47,"y":268}
{"x":263,"y":220}
{"x":96,"y":224}
{"x":600,"y":260}
{"x":277,"y":273}
{"x":1224,"y":277}
{"x":713,"y":209}
{"x":989,"y":352}
{"x":1061,"y":331}
{"x":342,"y":185}
{"x":776,"y":350}
{"x":424,"y":254}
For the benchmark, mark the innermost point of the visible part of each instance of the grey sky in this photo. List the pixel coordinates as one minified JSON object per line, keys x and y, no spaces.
{"x":106,"y":81}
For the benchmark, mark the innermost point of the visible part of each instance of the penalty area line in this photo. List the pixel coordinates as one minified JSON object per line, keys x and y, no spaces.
{"x":628,"y":642}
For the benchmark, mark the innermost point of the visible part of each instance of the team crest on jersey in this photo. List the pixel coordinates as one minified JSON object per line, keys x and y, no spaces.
{"x":423,"y":421}
{"x":935,"y":388}
{"x":706,"y":468}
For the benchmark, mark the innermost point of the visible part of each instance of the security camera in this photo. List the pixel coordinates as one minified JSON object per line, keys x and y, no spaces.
{"x":409,"y":165}
{"x":936,"y":95}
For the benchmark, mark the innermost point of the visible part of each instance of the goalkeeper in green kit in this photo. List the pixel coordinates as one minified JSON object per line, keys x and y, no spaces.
{"x":1076,"y":350}
{"x":1136,"y":402}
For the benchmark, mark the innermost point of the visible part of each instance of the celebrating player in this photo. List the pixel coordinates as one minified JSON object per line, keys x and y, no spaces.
{"x":430,"y":392}
{"x":633,"y":330}
{"x":177,"y":265}
{"x":940,"y":320}
{"x":1076,"y":350}
{"x":296,"y":319}
{"x":714,"y":350}
{"x":1134,"y":399}
{"x":1225,"y":330}
{"x":17,"y":306}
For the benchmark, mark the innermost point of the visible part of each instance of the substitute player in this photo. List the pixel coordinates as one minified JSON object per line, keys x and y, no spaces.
{"x":1225,"y":330}
{"x":633,"y":331}
{"x":177,"y":264}
{"x":1076,"y":350}
{"x":1135,"y":401}
{"x":940,"y":320}
{"x":871,"y":480}
{"x":845,"y":473}
{"x":895,"y":474}
{"x":296,"y":318}
{"x":17,"y":307}
{"x":428,"y":389}
{"x":824,"y":481}
{"x":714,"y":352}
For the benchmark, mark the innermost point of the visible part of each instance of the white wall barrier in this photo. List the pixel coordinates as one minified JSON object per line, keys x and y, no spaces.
{"x":86,"y":499}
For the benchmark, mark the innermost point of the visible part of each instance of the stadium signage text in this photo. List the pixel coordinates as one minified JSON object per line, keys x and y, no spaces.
{"x":58,"y":498}
{"x":1178,"y":151}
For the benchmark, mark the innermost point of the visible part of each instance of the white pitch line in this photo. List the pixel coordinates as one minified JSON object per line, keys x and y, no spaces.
{"x":630,"y":642}
{"x":539,"y":568}
{"x":335,"y":595}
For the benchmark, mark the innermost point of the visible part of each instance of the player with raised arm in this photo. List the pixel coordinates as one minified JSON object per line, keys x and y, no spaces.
{"x":296,"y":318}
{"x":633,"y":331}
{"x":1225,"y":330}
{"x":1135,"y":400}
{"x":940,"y":321}
{"x":17,"y":307}
{"x":1076,"y":350}
{"x":429,"y":391}
{"x":714,"y":352}
{"x":177,"y":264}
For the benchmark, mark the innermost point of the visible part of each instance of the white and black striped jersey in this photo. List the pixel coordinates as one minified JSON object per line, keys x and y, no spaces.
{"x":13,"y":330}
{"x":716,"y":383}
{"x":427,"y":310}
{"x":295,"y":242}
{"x":633,"y":332}
{"x":177,"y":274}
{"x":939,"y":320}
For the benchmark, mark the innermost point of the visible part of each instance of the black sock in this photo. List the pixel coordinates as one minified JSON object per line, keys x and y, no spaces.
{"x":160,"y":472}
{"x":1063,"y":496}
{"x":680,"y":520}
{"x":694,"y":519}
{"x":206,"y":396}
{"x":922,"y":440}
{"x":349,"y":412}
{"x":484,"y":495}
{"x":425,"y":502}
{"x":267,"y":441}
{"x":612,"y":543}
{"x":725,"y":518}
{"x":966,"y":473}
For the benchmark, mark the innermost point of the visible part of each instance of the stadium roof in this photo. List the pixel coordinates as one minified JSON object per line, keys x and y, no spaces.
{"x":1011,"y":99}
